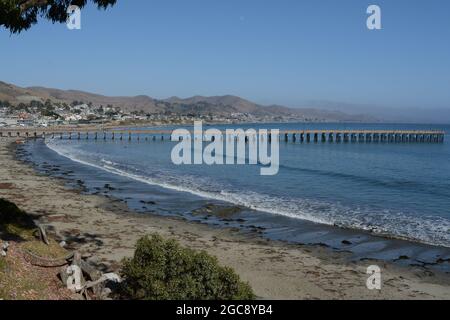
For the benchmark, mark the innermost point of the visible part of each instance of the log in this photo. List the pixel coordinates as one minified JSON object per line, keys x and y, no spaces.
{"x":92,"y":275}
{"x":92,"y":281}
{"x":35,"y":260}
{"x":105,"y":277}
{"x":43,"y":234}
{"x":75,"y":279}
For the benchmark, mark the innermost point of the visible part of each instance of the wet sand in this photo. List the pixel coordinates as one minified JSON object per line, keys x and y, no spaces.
{"x":107,"y":230}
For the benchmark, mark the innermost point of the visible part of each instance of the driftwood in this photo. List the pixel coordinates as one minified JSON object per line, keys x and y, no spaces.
{"x":74,"y":279}
{"x":43,"y":234}
{"x":98,"y":286}
{"x":38,"y":261}
{"x":82,"y":278}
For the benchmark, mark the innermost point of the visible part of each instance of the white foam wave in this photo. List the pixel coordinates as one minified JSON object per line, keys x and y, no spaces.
{"x":431,"y":230}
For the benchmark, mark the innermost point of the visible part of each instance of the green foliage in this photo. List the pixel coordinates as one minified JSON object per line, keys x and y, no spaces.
{"x":163,"y":270}
{"x":76,"y":103}
{"x":19,"y":15}
{"x":5,"y":104}
{"x":2,"y":264}
{"x":36,"y":105}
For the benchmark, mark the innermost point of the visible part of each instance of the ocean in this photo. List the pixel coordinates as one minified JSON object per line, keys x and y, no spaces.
{"x":349,"y":196}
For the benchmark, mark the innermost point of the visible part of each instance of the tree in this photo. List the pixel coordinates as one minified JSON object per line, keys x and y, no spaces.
{"x":19,"y":15}
{"x":48,"y":104}
{"x":76,"y":103}
{"x":36,"y":105}
{"x":100,"y":110}
{"x":5,"y":104}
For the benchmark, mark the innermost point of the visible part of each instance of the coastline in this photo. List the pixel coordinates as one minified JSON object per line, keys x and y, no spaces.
{"x":108,"y":230}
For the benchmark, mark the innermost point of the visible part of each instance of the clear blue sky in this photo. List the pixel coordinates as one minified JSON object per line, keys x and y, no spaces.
{"x":269,"y":51}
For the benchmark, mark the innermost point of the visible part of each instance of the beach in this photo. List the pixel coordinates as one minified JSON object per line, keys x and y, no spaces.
{"x":106,"y":230}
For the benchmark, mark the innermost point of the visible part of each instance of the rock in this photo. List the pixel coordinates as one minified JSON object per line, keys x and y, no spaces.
{"x":108,"y":187}
{"x":4,"y":250}
{"x":62,"y":244}
{"x":148,"y":202}
{"x":346,"y":242}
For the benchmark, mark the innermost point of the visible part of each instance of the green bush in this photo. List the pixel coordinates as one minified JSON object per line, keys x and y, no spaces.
{"x":163,"y":270}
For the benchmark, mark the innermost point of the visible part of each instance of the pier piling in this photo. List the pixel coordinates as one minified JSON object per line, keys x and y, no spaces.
{"x":308,"y":136}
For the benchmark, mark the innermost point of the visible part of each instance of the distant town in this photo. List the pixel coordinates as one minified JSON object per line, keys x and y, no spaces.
{"x":47,"y":107}
{"x":48,"y":114}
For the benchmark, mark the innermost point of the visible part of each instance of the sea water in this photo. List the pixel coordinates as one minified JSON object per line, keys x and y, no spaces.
{"x":397,"y":190}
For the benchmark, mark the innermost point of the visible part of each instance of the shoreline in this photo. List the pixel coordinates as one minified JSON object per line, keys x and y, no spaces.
{"x":219,"y":212}
{"x":108,"y":230}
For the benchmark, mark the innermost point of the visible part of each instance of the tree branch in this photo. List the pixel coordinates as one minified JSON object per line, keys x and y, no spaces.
{"x":26,"y":4}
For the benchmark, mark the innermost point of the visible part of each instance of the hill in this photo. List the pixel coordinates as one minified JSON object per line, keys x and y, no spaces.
{"x":198,"y":105}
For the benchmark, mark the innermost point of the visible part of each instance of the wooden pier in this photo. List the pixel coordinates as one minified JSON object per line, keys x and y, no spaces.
{"x":296,"y":136}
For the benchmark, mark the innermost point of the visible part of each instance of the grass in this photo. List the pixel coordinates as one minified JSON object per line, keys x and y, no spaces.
{"x":18,"y":279}
{"x":2,"y":264}
{"x":16,"y":284}
{"x":51,"y":251}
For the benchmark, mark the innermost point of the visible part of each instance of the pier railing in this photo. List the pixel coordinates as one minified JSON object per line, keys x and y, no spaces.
{"x":303,"y":136}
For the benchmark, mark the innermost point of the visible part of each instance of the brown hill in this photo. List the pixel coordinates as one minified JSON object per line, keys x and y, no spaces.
{"x":199,"y":105}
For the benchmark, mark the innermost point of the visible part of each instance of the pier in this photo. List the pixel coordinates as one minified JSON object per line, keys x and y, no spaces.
{"x":294,"y":136}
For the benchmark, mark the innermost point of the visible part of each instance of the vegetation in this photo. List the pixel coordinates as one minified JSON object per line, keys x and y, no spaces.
{"x":5,"y":104}
{"x":15,"y":223}
{"x":18,"y":280}
{"x":51,"y":251}
{"x":46,"y":109}
{"x":2,"y":264}
{"x":19,"y":15}
{"x":16,"y":284}
{"x":162,"y":269}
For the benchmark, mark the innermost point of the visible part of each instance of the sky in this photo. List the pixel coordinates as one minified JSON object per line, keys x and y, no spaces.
{"x":284,"y":52}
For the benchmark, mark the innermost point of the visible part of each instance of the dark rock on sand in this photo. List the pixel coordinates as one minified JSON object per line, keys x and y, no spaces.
{"x":148,"y":202}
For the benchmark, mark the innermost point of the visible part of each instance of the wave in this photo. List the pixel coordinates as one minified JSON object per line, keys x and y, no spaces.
{"x":426,"y":229}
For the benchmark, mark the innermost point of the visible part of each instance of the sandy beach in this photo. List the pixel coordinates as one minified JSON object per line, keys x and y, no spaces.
{"x":106,"y":230}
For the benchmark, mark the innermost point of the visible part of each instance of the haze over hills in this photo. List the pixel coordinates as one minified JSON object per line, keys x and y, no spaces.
{"x":403,"y":114}
{"x":215,"y":105}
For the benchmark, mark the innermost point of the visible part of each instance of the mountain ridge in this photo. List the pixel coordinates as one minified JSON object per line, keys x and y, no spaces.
{"x":215,"y":105}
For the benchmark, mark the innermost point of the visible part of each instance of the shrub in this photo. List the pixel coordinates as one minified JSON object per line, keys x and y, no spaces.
{"x":163,"y":270}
